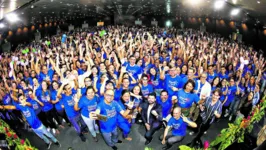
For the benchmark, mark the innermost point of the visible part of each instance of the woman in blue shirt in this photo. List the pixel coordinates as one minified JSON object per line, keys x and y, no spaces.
{"x":146,"y":88}
{"x":88,"y":103}
{"x":185,"y":97}
{"x":58,"y":106}
{"x":125,"y":123}
{"x":44,"y":95}
{"x":156,"y":81}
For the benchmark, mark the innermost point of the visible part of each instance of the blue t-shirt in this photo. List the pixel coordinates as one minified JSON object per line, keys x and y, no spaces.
{"x":58,"y":105}
{"x":134,"y":70}
{"x":179,"y":127}
{"x":172,"y":82}
{"x":211,"y":77}
{"x":86,"y":105}
{"x":146,"y":90}
{"x":185,"y":100}
{"x":120,"y":118}
{"x":45,"y":97}
{"x":231,"y":95}
{"x":35,"y":105}
{"x":111,"y":112}
{"x":225,"y":76}
{"x":43,"y":76}
{"x":7,"y":100}
{"x":166,"y":106}
{"x":30,"y":116}
{"x":156,"y":82}
{"x":68,"y":102}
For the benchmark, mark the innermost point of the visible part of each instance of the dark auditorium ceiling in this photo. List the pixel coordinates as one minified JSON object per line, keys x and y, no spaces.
{"x":33,"y":11}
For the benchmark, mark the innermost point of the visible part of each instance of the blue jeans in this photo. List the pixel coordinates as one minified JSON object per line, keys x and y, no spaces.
{"x":43,"y":134}
{"x":111,"y":137}
{"x":75,"y":122}
{"x":234,"y":105}
{"x":93,"y":127}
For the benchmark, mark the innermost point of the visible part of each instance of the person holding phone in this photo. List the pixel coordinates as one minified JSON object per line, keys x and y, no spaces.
{"x":178,"y":123}
{"x":107,"y":113}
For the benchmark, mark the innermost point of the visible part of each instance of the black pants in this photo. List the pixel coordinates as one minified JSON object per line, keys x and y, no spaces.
{"x":47,"y":118}
{"x":62,"y":114}
{"x":153,"y":128}
{"x":203,"y":127}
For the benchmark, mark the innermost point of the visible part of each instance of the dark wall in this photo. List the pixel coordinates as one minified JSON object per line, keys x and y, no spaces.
{"x":251,"y":34}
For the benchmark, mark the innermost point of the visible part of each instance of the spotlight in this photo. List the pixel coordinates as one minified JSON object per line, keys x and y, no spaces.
{"x":168,"y":23}
{"x":194,"y":2}
{"x":235,"y":11}
{"x":2,"y":25}
{"x":12,"y":17}
{"x":219,"y":4}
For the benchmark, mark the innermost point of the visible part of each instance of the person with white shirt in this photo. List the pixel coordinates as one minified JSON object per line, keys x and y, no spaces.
{"x":203,"y":86}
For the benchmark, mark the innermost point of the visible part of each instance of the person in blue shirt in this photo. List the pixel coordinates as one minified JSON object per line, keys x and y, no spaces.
{"x":156,"y":81}
{"x":222,"y":74}
{"x":87,"y":83}
{"x":68,"y":101}
{"x":29,"y":114}
{"x":125,"y":123}
{"x":44,"y":95}
{"x":178,"y":125}
{"x":56,"y":101}
{"x":46,"y":74}
{"x":232,"y":89}
{"x":171,"y":80}
{"x":36,"y":104}
{"x":211,"y":74}
{"x":186,"y":97}
{"x":146,"y":88}
{"x":88,"y":103}
{"x":165,"y":101}
{"x":132,"y":68}
{"x":110,"y":109}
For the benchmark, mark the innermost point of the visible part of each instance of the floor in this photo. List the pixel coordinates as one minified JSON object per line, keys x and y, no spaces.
{"x":68,"y":138}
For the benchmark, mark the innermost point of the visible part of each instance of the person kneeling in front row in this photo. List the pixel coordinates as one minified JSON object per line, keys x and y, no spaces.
{"x":178,"y":123}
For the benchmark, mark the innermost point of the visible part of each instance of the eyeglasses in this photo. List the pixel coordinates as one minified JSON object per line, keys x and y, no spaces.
{"x":145,"y":79}
{"x":109,"y":95}
{"x":88,"y":81}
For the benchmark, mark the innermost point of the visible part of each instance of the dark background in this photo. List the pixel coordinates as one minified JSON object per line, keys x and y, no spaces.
{"x":252,"y":34}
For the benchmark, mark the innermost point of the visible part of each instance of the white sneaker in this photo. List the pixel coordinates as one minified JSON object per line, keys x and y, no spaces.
{"x":53,"y":131}
{"x":205,"y":132}
{"x":230,"y":118}
{"x":191,"y":133}
{"x":227,"y":114}
{"x":64,"y":120}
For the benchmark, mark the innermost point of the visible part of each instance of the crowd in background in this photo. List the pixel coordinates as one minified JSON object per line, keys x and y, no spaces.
{"x":103,"y":80}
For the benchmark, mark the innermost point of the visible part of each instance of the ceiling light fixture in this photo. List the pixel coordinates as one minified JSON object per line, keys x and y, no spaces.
{"x":234,"y":1}
{"x":258,"y":2}
{"x":12,"y":17}
{"x":235,"y":11}
{"x":219,"y":4}
{"x":2,"y":25}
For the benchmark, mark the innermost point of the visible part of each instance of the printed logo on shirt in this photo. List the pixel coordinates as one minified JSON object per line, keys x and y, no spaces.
{"x":183,"y":100}
{"x":26,"y":113}
{"x":35,"y":106}
{"x":92,"y":107}
{"x":176,"y":126}
{"x":172,"y":84}
{"x":111,"y":113}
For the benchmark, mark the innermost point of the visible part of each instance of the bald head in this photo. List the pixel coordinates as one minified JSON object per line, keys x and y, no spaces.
{"x":177,"y":112}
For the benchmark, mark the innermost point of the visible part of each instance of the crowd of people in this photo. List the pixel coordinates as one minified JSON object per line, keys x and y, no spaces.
{"x":102,"y":83}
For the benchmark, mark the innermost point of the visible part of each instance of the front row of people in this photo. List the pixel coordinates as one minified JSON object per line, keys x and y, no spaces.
{"x":113,"y":114}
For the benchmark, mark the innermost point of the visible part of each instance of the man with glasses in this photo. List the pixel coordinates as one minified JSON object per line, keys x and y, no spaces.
{"x":109,"y":109}
{"x":203,"y":86}
{"x":36,"y":125}
{"x":190,"y":75}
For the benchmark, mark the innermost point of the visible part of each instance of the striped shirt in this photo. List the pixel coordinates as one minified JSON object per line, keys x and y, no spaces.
{"x":208,"y":113}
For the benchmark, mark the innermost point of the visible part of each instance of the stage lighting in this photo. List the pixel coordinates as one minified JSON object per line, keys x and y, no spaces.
{"x":168,"y":23}
{"x":235,"y":11}
{"x":12,"y":17}
{"x":194,"y":2}
{"x":219,"y":4}
{"x":2,"y":25}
